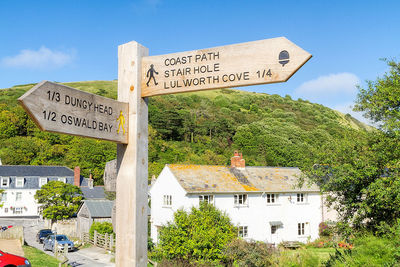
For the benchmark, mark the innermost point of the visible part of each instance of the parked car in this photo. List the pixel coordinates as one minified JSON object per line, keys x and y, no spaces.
{"x":7,"y":259}
{"x":41,"y":235}
{"x":48,"y":243}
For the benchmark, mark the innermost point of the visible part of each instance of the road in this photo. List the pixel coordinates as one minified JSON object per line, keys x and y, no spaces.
{"x":90,"y":257}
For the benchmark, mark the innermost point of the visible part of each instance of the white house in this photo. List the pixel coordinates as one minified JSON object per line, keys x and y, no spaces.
{"x":265,"y":203}
{"x":21,"y":183}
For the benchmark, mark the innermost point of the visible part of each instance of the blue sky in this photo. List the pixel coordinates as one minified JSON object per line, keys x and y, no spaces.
{"x":77,"y":40}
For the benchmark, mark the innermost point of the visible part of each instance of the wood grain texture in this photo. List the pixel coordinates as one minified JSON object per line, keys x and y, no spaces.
{"x":62,"y":109}
{"x":132,"y":163}
{"x":259,"y":62}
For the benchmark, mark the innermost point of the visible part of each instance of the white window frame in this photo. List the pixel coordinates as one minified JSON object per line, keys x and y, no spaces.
{"x":18,"y":210}
{"x":206,"y":198}
{"x":243,"y":231}
{"x":19,"y":182}
{"x":167,"y":201}
{"x":7,"y":179}
{"x":301,"y":229}
{"x":301,"y":198}
{"x":42,"y":181}
{"x":240,"y":200}
{"x":62,"y":179}
{"x":4,"y":197}
{"x":272,"y":199}
{"x":16,"y":196}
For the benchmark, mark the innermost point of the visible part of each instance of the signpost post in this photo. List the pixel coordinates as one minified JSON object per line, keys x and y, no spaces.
{"x":62,"y":109}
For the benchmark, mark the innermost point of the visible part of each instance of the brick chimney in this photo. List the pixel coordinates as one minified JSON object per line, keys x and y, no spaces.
{"x":77,"y":176}
{"x":237,"y":160}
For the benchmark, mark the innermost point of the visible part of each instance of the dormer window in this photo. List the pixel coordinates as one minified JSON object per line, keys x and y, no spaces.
{"x":5,"y":182}
{"x":19,"y":182}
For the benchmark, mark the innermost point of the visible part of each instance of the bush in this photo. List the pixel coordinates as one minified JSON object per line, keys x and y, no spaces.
{"x":325,"y":229}
{"x":197,"y":236}
{"x":101,"y":228}
{"x":298,"y":258}
{"x":251,"y":253}
{"x":368,"y":250}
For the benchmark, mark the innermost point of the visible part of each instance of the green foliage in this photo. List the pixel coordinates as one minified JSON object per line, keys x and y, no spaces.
{"x":368,"y":250}
{"x":59,"y":200}
{"x":248,"y":253}
{"x":380,"y":100}
{"x":197,"y":236}
{"x":197,"y":128}
{"x":297,"y":258}
{"x":1,"y":193}
{"x":362,"y":179}
{"x":101,"y":228}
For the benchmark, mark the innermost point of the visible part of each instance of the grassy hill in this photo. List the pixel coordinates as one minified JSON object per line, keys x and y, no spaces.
{"x":200,"y":128}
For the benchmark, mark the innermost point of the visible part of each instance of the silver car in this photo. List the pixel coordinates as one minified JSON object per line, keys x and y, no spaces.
{"x":49,"y":241}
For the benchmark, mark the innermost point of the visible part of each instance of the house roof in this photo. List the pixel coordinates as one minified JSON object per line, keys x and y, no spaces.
{"x":97,"y":192}
{"x":46,"y":171}
{"x":220,"y":179}
{"x":99,"y":208}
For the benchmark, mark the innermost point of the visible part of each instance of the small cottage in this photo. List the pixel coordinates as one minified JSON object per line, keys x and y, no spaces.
{"x":93,"y":210}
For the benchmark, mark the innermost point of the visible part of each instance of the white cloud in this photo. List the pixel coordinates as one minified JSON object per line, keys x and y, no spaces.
{"x":329,"y":88}
{"x":44,"y":58}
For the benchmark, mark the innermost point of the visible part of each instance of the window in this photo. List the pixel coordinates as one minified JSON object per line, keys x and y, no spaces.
{"x":272,"y":198}
{"x":273,"y":229}
{"x":206,"y":198}
{"x":242,"y":231}
{"x":18,"y":196}
{"x":300,"y":197}
{"x":300,"y":228}
{"x":42,"y":181}
{"x":167,"y":200}
{"x":17,"y":210}
{"x":4,"y":197}
{"x":5,"y":182}
{"x":62,"y":179}
{"x":19,"y":182}
{"x":240,"y":200}
{"x":5,"y":210}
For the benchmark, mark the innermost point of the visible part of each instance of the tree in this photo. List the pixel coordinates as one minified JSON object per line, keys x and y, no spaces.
{"x":1,"y":194}
{"x":198,"y":235}
{"x":59,"y":200}
{"x":381,"y":99}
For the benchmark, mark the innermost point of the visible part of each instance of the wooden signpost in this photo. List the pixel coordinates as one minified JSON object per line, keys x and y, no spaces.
{"x":259,"y":62}
{"x":62,"y":109}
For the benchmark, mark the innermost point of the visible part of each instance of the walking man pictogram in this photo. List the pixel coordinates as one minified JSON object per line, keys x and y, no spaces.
{"x":121,"y":120}
{"x":150,"y":74}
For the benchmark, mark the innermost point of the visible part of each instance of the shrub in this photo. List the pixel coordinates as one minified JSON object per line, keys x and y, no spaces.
{"x":244,"y":253}
{"x":101,"y":228}
{"x":197,"y":236}
{"x":368,"y":250}
{"x":299,"y":258}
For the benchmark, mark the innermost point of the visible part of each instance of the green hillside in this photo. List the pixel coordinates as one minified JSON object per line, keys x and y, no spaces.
{"x":199,"y":128}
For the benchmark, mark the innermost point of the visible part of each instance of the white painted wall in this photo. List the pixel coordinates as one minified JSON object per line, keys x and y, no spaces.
{"x":28,"y":203}
{"x":257,"y":215}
